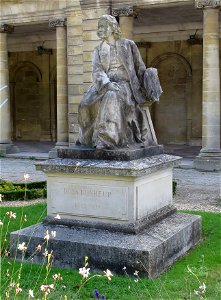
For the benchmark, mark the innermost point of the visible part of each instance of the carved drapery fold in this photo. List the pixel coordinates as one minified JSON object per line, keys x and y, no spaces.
{"x":61,"y":22}
{"x":208,"y":3}
{"x":6,"y":28}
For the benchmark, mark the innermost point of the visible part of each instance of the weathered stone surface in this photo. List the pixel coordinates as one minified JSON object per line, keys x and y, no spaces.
{"x":109,"y":114}
{"x":150,"y":252}
{"x":208,"y":162}
{"x":83,"y":152}
{"x":139,"y":167}
{"x":116,"y":195}
{"x":133,"y":228}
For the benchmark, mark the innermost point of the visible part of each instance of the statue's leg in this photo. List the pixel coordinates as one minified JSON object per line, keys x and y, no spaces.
{"x":108,"y":123}
{"x":87,"y":114}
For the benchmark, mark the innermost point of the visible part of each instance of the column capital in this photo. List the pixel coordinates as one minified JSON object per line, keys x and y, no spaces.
{"x":6,"y":28}
{"x":128,"y":11}
{"x":208,"y":4}
{"x":59,"y":22}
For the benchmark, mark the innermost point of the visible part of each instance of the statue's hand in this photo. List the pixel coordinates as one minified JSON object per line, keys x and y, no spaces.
{"x":113,"y":86}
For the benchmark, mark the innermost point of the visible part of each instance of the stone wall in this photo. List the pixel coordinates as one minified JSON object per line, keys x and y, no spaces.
{"x":178,"y":117}
{"x":82,"y":39}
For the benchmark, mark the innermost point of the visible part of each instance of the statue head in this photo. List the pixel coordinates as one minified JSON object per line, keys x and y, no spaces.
{"x":108,"y":25}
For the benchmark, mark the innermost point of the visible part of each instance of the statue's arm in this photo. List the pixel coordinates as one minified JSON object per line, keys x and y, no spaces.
{"x":100,"y":78}
{"x":139,"y":65}
{"x":148,"y":78}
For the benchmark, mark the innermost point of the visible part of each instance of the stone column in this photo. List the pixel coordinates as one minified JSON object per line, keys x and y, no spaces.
{"x":126,"y":17}
{"x":5,"y":114}
{"x":62,"y":95}
{"x":209,"y":158}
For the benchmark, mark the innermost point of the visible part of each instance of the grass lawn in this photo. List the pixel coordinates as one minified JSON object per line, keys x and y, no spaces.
{"x":176,"y":283}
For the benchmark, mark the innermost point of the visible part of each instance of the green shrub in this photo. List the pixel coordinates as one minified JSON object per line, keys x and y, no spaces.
{"x":174,"y":187}
{"x":22,"y":191}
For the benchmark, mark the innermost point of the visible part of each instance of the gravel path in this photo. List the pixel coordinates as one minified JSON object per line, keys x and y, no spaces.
{"x":195,"y":190}
{"x":14,"y":170}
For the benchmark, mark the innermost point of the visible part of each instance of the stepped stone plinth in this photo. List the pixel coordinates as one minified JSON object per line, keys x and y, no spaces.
{"x":118,"y":213}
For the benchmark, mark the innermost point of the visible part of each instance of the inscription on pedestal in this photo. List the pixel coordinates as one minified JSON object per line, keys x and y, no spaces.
{"x":73,"y":199}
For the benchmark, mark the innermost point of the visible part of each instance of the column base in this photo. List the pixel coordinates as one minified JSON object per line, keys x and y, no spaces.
{"x":8,"y":148}
{"x":208,"y":160}
{"x":53,"y":153}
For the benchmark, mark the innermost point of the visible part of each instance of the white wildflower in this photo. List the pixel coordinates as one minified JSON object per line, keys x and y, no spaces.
{"x":84,"y":272}
{"x":18,"y":290}
{"x":202,"y":288}
{"x":57,"y":217}
{"x":12,"y":285}
{"x":47,"y":236}
{"x":108,"y":274}
{"x":38,"y":248}
{"x":53,"y":234}
{"x":57,"y":277}
{"x":46,"y":288}
{"x":11,"y":215}
{"x":45,"y":253}
{"x":22,"y":247}
{"x":26,"y":176}
{"x":31,"y":293}
{"x":1,"y":223}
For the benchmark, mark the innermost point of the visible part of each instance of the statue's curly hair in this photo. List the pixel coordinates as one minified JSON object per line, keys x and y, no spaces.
{"x":113,"y":24}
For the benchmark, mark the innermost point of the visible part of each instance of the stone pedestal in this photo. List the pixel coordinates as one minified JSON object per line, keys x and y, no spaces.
{"x":150,"y":252}
{"x":118,"y":213}
{"x":114,"y":195}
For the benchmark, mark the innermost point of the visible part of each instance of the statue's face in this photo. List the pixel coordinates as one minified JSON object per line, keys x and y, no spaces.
{"x":104,"y":29}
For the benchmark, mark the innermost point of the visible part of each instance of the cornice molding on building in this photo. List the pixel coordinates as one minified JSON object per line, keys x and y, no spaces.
{"x":127,"y":11}
{"x":123,"y":11}
{"x":6,"y":28}
{"x":58,"y":22}
{"x":208,"y":4}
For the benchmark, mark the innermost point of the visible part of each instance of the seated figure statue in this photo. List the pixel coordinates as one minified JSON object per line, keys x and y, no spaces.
{"x":110,"y":115}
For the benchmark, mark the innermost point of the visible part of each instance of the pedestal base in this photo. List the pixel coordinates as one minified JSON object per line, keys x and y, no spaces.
{"x":118,"y":213}
{"x":122,"y":154}
{"x":8,"y":148}
{"x":208,"y":160}
{"x":116,"y":195}
{"x":150,"y":252}
{"x":53,"y":153}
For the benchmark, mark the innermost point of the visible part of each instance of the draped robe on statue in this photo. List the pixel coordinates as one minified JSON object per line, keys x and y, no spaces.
{"x":113,"y":118}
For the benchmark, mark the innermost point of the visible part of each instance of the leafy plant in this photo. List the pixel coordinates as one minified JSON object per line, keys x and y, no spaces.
{"x":22,"y":191}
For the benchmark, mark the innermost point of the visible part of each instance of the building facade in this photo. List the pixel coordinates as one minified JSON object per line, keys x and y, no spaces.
{"x":45,"y":57}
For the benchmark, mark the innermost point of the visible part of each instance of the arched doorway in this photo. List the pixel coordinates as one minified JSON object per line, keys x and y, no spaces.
{"x":33,"y":103}
{"x":170,"y":116}
{"x":26,"y":104}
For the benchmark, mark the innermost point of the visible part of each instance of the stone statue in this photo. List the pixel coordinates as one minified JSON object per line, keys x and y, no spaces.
{"x":110,"y":115}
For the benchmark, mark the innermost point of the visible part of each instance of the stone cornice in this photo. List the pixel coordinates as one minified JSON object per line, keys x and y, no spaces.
{"x":59,"y":22}
{"x":127,"y":11}
{"x":208,"y":3}
{"x":6,"y":28}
